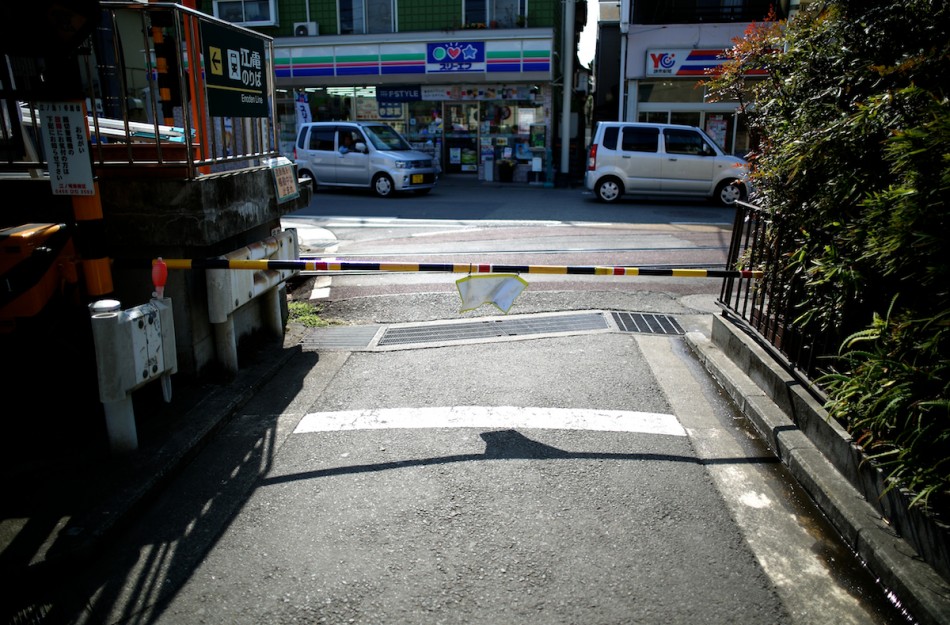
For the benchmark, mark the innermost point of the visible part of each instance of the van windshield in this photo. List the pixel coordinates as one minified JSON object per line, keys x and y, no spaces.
{"x":385,"y":138}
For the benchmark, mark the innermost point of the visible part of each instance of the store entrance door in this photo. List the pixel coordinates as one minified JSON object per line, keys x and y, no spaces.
{"x":460,"y":124}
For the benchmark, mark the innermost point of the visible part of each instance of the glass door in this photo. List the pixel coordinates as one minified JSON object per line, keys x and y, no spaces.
{"x":461,"y":138}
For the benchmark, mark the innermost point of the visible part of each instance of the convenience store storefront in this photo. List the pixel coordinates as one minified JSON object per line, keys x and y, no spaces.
{"x":665,"y":86}
{"x":470,"y":102}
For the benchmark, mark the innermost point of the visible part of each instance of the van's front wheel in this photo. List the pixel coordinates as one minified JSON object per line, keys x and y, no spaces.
{"x":608,"y":189}
{"x":383,"y":185}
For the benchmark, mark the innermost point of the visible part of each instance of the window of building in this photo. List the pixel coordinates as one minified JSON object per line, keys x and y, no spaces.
{"x":654,"y":117}
{"x":508,"y":13}
{"x":698,"y":11}
{"x":365,"y":16}
{"x":670,"y":91}
{"x":476,"y":12}
{"x":351,"y":17}
{"x":247,"y":12}
{"x":686,"y":118}
{"x":495,"y":13}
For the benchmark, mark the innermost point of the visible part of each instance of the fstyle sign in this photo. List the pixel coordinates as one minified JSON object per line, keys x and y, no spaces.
{"x":234,"y":72}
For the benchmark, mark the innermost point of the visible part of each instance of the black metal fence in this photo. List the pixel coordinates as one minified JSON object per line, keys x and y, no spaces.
{"x":767,"y":308}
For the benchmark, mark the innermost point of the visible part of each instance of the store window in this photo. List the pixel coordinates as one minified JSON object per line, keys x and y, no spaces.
{"x":424,"y":128}
{"x":686,"y":118}
{"x":513,"y":132}
{"x":654,"y":117}
{"x":247,"y":12}
{"x":670,"y":91}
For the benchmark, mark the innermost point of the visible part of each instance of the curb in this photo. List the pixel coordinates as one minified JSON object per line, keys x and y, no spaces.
{"x":917,"y":586}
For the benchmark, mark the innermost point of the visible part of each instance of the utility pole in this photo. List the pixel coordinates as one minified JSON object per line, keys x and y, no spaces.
{"x":567,"y":54}
{"x":625,"y":7}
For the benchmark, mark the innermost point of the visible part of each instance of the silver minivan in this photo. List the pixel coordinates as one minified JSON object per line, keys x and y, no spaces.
{"x":662,"y":159}
{"x":362,"y":154}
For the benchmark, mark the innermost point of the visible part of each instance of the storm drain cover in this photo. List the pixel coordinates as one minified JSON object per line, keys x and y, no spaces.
{"x":646,"y":323}
{"x":345,"y":337}
{"x":355,"y":338}
{"x":492,"y":328}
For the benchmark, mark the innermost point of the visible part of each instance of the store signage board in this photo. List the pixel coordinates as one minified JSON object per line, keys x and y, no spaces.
{"x":234,"y":72}
{"x":455,"y":57}
{"x":508,"y":58}
{"x":682,"y":62}
{"x":67,"y":147}
{"x":686,"y":62}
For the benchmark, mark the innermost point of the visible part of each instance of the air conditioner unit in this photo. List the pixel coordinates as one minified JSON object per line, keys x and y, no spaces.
{"x":305,"y":29}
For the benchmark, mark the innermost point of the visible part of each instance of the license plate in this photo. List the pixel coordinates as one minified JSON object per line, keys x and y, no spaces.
{"x":416,"y":178}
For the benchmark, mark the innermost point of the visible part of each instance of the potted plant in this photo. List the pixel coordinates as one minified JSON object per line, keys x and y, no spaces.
{"x":506,"y":170}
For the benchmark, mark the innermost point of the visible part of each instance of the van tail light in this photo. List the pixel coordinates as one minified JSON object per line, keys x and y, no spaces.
{"x":592,"y":157}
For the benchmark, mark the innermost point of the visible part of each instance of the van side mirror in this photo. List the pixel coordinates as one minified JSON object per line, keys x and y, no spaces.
{"x":360,"y":147}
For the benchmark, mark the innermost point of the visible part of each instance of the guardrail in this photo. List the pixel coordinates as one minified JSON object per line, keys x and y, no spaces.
{"x":229,"y":290}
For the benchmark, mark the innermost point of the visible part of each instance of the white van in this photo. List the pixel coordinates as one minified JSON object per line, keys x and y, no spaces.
{"x":662,"y":159}
{"x":362,"y":154}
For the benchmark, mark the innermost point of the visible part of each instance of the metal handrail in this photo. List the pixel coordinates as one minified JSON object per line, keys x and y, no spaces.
{"x":131,"y":128}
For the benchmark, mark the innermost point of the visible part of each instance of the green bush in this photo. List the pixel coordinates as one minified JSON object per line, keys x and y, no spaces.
{"x":853,"y":150}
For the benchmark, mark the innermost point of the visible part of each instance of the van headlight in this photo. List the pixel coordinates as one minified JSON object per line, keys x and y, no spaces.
{"x":403,"y":164}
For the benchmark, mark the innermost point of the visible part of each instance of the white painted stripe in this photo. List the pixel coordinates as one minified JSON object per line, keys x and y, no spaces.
{"x":492,"y":417}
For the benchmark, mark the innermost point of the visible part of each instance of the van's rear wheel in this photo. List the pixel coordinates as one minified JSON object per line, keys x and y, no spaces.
{"x":728,"y":192}
{"x":608,"y":189}
{"x":383,"y":185}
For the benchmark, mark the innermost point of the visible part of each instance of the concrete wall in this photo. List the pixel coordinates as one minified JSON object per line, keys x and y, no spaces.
{"x":144,"y":218}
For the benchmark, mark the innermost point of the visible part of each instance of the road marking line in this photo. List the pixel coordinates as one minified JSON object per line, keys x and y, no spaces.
{"x":492,"y":417}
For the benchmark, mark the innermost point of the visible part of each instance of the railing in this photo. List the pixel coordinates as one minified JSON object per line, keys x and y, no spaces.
{"x":767,"y":308}
{"x":146,"y":107}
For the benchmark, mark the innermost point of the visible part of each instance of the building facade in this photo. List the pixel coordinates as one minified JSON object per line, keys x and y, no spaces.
{"x":667,"y":50}
{"x":471,"y":82}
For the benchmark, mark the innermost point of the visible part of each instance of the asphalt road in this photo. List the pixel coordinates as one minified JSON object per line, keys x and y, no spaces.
{"x":580,"y":475}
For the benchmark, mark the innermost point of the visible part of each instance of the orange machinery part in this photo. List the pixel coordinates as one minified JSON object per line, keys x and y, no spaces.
{"x":35,"y":288}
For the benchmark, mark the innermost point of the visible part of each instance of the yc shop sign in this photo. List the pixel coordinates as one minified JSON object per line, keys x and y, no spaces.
{"x":234,"y":72}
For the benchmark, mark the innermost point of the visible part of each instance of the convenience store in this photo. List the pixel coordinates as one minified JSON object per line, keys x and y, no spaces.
{"x":472,"y":99}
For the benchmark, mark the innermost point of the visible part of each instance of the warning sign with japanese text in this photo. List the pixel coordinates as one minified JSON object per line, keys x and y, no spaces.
{"x":67,"y":147}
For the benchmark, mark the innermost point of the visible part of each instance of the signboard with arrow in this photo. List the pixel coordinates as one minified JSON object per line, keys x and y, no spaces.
{"x":235,"y":72}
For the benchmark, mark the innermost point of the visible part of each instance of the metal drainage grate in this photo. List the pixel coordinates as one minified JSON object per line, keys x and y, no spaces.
{"x":361,"y":337}
{"x":348,"y":338}
{"x":493,"y":328}
{"x":646,"y":323}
